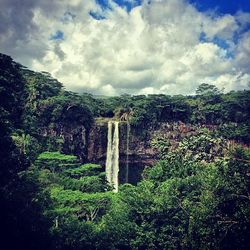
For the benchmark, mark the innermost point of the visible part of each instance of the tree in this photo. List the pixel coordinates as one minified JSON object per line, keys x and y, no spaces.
{"x":206,"y":89}
{"x":24,"y":226}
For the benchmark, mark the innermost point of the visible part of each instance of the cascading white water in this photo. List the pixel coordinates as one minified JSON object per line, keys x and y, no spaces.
{"x":116,"y":156}
{"x":112,"y":160}
{"x":127,"y":163}
{"x":109,"y":154}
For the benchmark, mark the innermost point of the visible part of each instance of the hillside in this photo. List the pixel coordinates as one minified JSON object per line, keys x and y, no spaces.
{"x":183,"y":167}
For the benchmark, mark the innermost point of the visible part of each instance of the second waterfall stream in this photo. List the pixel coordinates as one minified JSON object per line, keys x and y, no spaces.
{"x":112,"y":160}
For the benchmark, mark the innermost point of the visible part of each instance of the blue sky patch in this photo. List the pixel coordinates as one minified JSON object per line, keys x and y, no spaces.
{"x":96,"y":15}
{"x":104,"y":4}
{"x":216,"y":40}
{"x":224,"y":45}
{"x":219,"y":42}
{"x":57,"y":36}
{"x":128,"y":5}
{"x":202,"y":37}
{"x":222,"y":6}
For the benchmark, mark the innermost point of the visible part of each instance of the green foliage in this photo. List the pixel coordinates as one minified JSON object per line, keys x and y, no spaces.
{"x":28,"y":145}
{"x":89,"y":184}
{"x":40,"y":86}
{"x":55,"y":161}
{"x":86,"y":206}
{"x":209,"y":106}
{"x":65,"y":110}
{"x":21,"y":203}
{"x":78,"y":194}
{"x":233,"y":200}
{"x":194,"y":204}
{"x":232,"y":131}
{"x":206,"y":89}
{"x":83,"y":170}
{"x":47,"y":156}
{"x":117,"y":228}
{"x":12,"y":95}
{"x":203,"y":146}
{"x":195,"y":197}
{"x":189,"y":205}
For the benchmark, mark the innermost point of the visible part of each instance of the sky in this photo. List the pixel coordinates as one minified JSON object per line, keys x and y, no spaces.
{"x":112,"y":47}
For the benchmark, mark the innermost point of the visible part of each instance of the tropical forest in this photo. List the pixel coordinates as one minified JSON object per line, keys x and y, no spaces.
{"x":125,"y":124}
{"x":84,"y":171}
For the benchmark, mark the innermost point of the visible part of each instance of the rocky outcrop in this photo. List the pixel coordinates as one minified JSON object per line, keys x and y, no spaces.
{"x":91,"y":146}
{"x":140,"y":146}
{"x":141,"y":153}
{"x":68,"y":139}
{"x":97,"y":142}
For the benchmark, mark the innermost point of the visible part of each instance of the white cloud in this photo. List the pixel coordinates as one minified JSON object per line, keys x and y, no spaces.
{"x":223,"y":27}
{"x":233,"y":81}
{"x":155,"y":48}
{"x":242,"y":59}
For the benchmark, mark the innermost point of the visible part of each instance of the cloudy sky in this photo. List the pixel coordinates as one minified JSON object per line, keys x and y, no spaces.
{"x":131,"y":46}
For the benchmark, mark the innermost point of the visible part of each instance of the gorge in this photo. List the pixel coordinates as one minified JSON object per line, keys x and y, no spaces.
{"x":56,"y":144}
{"x":129,"y":145}
{"x":112,"y":156}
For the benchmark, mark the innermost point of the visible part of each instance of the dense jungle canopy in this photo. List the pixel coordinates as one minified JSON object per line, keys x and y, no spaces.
{"x":196,"y":196}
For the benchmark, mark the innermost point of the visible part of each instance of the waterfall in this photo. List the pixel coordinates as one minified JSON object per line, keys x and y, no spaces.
{"x":109,"y":154}
{"x":127,"y":164}
{"x":112,"y":159}
{"x":116,"y":156}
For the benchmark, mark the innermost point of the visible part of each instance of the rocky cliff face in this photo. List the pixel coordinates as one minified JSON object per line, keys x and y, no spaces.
{"x":97,"y":143}
{"x":91,"y":146}
{"x":140,"y":146}
{"x":68,"y":139}
{"x":141,"y":153}
{"x":135,"y":144}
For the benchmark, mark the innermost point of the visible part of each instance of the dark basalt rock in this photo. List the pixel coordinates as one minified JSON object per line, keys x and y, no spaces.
{"x":91,"y":146}
{"x":138,"y":149}
{"x":67,"y":139}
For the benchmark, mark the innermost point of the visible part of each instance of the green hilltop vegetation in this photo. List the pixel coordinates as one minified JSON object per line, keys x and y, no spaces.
{"x":195,"y":197}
